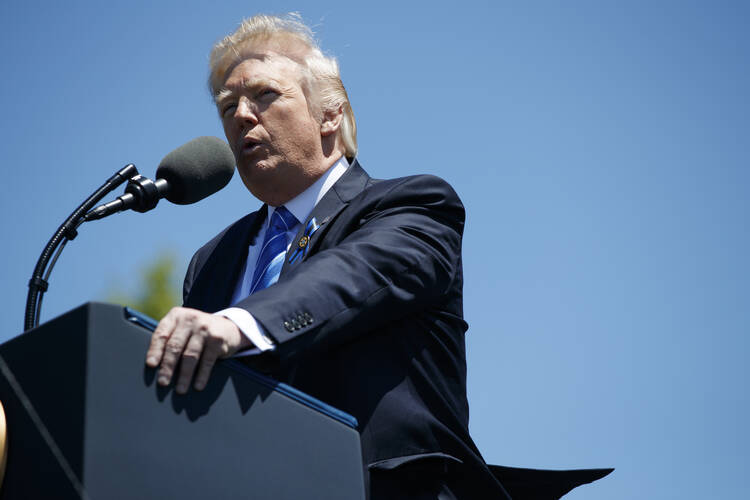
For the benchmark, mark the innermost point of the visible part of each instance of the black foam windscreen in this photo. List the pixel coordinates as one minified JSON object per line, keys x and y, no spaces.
{"x":196,"y":169}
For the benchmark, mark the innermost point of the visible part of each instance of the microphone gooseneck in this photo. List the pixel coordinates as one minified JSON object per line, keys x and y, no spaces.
{"x":38,"y":283}
{"x":188,"y":174}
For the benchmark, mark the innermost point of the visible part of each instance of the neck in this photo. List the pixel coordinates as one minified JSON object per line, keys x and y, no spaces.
{"x":279,"y":195}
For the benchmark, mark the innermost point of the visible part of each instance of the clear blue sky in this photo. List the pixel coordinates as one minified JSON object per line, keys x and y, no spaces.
{"x":601,"y":149}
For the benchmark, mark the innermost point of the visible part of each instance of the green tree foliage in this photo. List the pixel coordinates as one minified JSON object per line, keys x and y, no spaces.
{"x":158,"y":289}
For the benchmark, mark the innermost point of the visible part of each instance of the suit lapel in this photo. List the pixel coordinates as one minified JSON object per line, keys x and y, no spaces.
{"x":228,"y":259}
{"x":350,"y":184}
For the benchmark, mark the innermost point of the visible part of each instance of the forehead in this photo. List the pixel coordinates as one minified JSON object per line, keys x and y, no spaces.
{"x":263,"y":66}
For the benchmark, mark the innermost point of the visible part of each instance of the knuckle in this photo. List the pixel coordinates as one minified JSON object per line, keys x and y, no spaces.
{"x":176,"y":311}
{"x":161,"y":329}
{"x":204,"y":328}
{"x":190,"y":355}
{"x":162,"y":335}
{"x":174,"y":347}
{"x":183,"y":316}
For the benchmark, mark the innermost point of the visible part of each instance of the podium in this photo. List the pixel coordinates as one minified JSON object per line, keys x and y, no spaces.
{"x":86,"y":420}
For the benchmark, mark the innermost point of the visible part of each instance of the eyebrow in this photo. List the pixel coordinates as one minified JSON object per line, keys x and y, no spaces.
{"x":255,"y":83}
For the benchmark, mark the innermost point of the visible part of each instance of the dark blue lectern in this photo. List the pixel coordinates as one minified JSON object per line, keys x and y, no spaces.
{"x":86,"y":420}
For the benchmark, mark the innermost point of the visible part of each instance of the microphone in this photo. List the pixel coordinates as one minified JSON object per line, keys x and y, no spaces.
{"x":188,"y":174}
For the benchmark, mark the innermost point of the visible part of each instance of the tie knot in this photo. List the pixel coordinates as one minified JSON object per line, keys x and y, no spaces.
{"x":282,"y":220}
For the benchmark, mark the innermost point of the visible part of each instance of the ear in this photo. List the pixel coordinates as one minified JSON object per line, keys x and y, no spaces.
{"x":331,"y":121}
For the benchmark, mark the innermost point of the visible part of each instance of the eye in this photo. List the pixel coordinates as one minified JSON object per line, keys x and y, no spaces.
{"x":228,"y":109}
{"x":267,"y":93}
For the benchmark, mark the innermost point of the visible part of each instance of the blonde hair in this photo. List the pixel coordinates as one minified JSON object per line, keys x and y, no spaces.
{"x":288,"y":35}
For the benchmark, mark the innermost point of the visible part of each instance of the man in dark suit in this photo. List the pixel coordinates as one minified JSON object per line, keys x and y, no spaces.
{"x":345,"y":287}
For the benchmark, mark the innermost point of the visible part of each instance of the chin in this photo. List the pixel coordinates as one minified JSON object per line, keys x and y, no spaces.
{"x":258,"y":177}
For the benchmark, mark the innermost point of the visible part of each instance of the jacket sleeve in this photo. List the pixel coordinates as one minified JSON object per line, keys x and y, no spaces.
{"x":394,"y":251}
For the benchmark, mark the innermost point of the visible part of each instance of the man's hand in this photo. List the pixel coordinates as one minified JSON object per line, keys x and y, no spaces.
{"x":195,"y":339}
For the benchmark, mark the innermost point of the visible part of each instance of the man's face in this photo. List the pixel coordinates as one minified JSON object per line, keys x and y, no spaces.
{"x":268,"y":123}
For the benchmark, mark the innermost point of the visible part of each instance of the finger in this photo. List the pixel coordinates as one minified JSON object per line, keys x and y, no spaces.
{"x":211,"y":352}
{"x":189,"y":361}
{"x":159,"y":340}
{"x":173,"y":349}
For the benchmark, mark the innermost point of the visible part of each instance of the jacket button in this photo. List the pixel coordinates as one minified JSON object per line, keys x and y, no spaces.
{"x":288,"y":326}
{"x":309,"y":318}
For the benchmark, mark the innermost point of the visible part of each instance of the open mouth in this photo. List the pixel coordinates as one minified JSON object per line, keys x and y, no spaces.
{"x":250,"y":145}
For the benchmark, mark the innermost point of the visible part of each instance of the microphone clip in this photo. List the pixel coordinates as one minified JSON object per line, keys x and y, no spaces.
{"x":145,"y":192}
{"x":141,"y":194}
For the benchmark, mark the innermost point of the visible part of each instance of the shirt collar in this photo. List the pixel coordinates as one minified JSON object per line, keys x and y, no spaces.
{"x":302,"y":205}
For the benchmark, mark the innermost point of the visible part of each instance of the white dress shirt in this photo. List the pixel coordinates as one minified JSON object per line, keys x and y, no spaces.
{"x":300,"y":206}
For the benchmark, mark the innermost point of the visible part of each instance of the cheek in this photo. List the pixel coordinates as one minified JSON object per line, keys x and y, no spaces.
{"x":227,"y":124}
{"x":300,"y":128}
{"x":231,"y":134}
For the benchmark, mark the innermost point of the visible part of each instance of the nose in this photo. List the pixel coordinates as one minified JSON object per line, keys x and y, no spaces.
{"x":245,"y":112}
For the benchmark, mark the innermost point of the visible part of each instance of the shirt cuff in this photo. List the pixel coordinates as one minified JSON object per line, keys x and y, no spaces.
{"x":250,"y":329}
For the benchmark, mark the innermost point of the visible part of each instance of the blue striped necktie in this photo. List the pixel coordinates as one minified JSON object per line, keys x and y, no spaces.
{"x":271,"y":257}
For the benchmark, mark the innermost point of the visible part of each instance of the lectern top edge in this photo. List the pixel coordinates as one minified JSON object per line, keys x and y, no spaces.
{"x":149,"y":323}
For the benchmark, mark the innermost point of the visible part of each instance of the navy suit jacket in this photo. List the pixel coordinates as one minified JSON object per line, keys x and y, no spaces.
{"x":370,"y":320}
